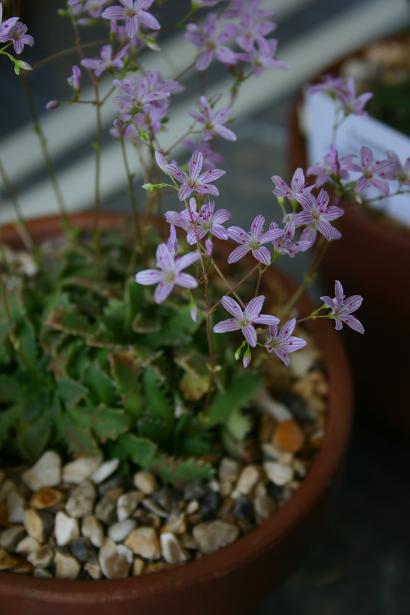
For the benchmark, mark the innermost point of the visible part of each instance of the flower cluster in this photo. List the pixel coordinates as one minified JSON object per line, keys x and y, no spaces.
{"x":357,"y":175}
{"x":343,"y":91}
{"x":304,"y":213}
{"x":192,"y":181}
{"x":247,"y":24}
{"x":239,"y":37}
{"x":87,"y":9}
{"x":143,"y":101}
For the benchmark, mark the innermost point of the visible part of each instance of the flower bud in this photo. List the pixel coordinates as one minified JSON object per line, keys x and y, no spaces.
{"x":52,"y":104}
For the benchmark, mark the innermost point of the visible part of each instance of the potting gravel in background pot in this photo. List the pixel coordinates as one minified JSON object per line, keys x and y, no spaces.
{"x":173,"y":410}
{"x":380,"y":231}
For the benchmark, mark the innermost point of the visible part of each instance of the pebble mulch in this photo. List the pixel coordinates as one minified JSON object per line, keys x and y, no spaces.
{"x":85,"y":520}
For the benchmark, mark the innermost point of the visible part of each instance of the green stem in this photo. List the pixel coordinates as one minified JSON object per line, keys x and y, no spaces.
{"x":46,"y":155}
{"x":231,"y":288}
{"x":21,"y":226}
{"x":134,"y":204}
{"x":238,"y":285}
{"x":97,"y":180}
{"x":309,"y":278}
{"x":68,"y":51}
{"x":208,"y":316}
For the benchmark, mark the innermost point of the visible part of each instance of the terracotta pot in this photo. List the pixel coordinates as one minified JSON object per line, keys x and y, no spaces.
{"x":234,"y":579}
{"x":372,"y":259}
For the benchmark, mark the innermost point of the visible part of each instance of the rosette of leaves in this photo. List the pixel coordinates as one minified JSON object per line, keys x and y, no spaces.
{"x":88,"y":366}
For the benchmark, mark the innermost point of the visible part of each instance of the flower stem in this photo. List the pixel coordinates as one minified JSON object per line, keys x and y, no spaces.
{"x":134,"y":204}
{"x":238,"y":285}
{"x":231,"y":289}
{"x":97,"y":179}
{"x":68,"y":51}
{"x":309,"y":278}
{"x":47,"y":156}
{"x":21,"y":226}
{"x":208,"y":316}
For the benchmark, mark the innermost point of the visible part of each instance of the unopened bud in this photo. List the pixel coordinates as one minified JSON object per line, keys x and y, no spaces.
{"x":52,"y":104}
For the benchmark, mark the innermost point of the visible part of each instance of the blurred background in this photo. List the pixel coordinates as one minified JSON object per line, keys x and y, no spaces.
{"x":361,"y":564}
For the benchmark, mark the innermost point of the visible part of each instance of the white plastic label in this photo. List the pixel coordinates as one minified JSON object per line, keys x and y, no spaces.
{"x":318,"y":118}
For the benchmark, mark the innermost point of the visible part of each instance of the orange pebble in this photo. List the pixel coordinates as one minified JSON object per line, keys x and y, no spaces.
{"x":289,"y":436}
{"x":46,"y":498}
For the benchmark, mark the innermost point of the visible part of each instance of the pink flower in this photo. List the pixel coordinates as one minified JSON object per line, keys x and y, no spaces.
{"x":134,"y":14}
{"x":370,"y":173}
{"x":14,"y":31}
{"x":316,"y":216}
{"x":213,"y":121}
{"x":343,"y":89}
{"x":74,"y":79}
{"x":100,"y":65}
{"x":263,"y":56}
{"x":194,"y":180}
{"x":252,"y":241}
{"x":282,"y":342}
{"x":392,"y":168}
{"x":198,"y":224}
{"x":331,"y":168}
{"x":244,"y":320}
{"x":169,"y":272}
{"x":210,"y":44}
{"x":297,"y":188}
{"x":283,"y":243}
{"x":342,"y":308}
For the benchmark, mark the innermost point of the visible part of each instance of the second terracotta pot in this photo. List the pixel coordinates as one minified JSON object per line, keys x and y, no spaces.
{"x":371,"y":259}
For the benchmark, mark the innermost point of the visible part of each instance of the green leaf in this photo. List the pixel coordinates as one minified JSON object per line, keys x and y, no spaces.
{"x":157,"y":404}
{"x":240,"y":392}
{"x":110,"y":423}
{"x":139,"y":450}
{"x":180,"y":472}
{"x":134,"y":300}
{"x":27,"y":345}
{"x":9,"y":388}
{"x":76,"y":435}
{"x":177,"y":330}
{"x":239,"y":424}
{"x":8,"y":419}
{"x":33,"y":436}
{"x":100,"y":385}
{"x":70,"y":321}
{"x":70,"y":392}
{"x":155,"y":429}
{"x":5,"y":354}
{"x":127,"y":371}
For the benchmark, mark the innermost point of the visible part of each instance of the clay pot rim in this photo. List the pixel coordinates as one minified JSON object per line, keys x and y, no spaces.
{"x":380,"y":228}
{"x":271,"y":532}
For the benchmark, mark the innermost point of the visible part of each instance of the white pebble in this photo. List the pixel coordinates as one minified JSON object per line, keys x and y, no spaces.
{"x":127,"y":504}
{"x":66,"y":529}
{"x":278,"y":473}
{"x":119,"y":531}
{"x":92,"y":529}
{"x":172,"y":552}
{"x":45,"y":473}
{"x":115,"y":560}
{"x":80,"y":469}
{"x":104,"y":471}
{"x":145,"y":482}
{"x":15,"y":507}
